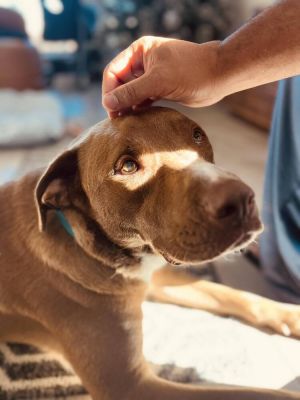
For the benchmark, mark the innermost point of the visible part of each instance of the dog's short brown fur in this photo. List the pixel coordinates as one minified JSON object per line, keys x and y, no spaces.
{"x":136,"y":191}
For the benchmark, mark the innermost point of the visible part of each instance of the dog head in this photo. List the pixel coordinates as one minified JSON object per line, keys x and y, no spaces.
{"x":150,"y":179}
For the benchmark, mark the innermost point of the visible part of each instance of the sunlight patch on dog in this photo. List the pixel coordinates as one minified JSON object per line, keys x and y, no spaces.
{"x":133,"y":182}
{"x":179,"y":159}
{"x":208,"y":171}
{"x":152,"y":162}
{"x":176,"y":160}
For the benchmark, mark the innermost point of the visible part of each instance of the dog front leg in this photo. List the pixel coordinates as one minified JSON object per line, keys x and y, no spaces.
{"x":106,"y":352}
{"x":183,"y":289}
{"x":110,"y":372}
{"x":158,"y":389}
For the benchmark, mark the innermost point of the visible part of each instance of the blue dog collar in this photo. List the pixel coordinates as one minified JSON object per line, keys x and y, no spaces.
{"x":64,"y":222}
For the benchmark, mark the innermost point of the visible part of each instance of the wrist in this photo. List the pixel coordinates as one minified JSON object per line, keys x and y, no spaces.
{"x":225,"y":74}
{"x":210,"y":79}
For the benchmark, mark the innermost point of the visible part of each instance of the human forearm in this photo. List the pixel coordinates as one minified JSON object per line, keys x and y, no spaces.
{"x":264,"y":50}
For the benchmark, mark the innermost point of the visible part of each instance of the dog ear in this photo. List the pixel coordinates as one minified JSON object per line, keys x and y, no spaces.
{"x":53,"y":188}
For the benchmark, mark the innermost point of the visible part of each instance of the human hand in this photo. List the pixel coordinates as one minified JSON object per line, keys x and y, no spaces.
{"x":155,"y":68}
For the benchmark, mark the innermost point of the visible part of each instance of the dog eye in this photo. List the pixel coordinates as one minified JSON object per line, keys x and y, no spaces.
{"x":197,"y":135}
{"x":128,"y":166}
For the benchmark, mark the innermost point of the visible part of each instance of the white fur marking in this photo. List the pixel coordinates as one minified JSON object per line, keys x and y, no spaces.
{"x":144,"y":271}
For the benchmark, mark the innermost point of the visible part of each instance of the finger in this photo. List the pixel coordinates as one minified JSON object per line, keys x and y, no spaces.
{"x":132,"y":93}
{"x":128,"y":65}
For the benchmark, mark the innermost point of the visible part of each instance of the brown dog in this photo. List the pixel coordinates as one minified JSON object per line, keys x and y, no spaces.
{"x":134,"y":192}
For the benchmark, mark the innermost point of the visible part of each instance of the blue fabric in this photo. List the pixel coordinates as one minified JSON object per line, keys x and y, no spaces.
{"x":66,"y":25}
{"x":280,"y":242}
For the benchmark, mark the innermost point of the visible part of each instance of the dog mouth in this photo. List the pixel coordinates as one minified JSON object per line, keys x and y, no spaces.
{"x":240,"y":243}
{"x":170,"y":259}
{"x":243,"y":241}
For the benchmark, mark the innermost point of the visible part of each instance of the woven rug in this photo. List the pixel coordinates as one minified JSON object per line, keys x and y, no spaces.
{"x":27,"y":373}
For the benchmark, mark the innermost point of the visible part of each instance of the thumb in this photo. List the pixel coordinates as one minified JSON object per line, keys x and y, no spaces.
{"x":131,"y":93}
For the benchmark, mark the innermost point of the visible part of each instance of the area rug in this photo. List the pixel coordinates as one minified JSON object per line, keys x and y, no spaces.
{"x":27,"y":373}
{"x":207,"y":348}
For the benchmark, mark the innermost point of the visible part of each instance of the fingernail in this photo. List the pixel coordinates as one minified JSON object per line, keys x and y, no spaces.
{"x":110,"y":101}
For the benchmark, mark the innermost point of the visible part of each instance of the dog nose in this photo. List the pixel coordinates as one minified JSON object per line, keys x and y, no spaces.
{"x":231,"y":199}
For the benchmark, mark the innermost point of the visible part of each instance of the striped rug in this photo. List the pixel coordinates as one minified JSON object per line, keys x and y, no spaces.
{"x":27,"y":373}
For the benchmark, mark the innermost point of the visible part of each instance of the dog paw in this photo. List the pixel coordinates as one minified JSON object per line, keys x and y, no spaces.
{"x":282,"y":318}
